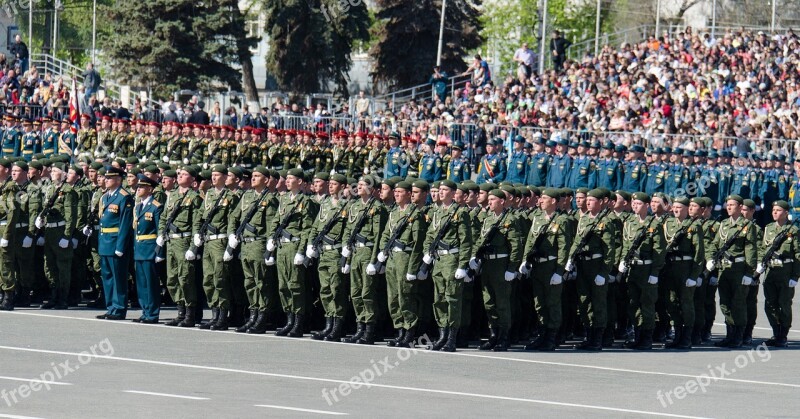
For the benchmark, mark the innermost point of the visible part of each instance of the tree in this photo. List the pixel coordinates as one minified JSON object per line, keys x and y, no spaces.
{"x":407,"y":34}
{"x":506,"y":25}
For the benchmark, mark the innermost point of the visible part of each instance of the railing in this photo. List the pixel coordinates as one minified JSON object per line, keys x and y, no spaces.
{"x":59,"y":67}
{"x":420,"y":92}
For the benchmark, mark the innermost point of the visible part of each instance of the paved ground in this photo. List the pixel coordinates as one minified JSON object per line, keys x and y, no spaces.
{"x":87,"y":368}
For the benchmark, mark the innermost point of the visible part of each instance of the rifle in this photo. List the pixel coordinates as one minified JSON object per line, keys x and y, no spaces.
{"x":722,"y":252}
{"x":152,"y":150}
{"x":170,"y":226}
{"x":425,"y":268}
{"x":246,"y":220}
{"x":326,"y":228}
{"x":637,"y":243}
{"x":486,"y":244}
{"x":207,"y":223}
{"x":398,"y":230}
{"x":92,"y":220}
{"x":175,"y":147}
{"x":278,"y":232}
{"x":48,"y":206}
{"x":351,"y":241}
{"x":584,"y":240}
{"x":195,"y":148}
{"x":529,"y":258}
{"x":678,"y":236}
{"x":773,"y":250}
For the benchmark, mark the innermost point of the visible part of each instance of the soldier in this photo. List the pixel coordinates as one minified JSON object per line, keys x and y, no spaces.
{"x":518,"y":162}
{"x":780,"y":273}
{"x":50,"y":136}
{"x":492,"y":168}
{"x":609,"y":169}
{"x":10,"y":214}
{"x":538,"y":163}
{"x":584,"y":171}
{"x":430,"y":164}
{"x":31,"y":142}
{"x":12,"y":138}
{"x":458,"y":170}
{"x":634,"y":176}
{"x":146,"y":217}
{"x":86,"y":139}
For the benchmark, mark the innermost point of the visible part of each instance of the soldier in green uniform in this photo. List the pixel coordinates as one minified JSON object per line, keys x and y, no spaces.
{"x":9,"y":215}
{"x":79,"y":250}
{"x":748,"y":212}
{"x":450,"y":239}
{"x":547,"y":244}
{"x":780,"y":273}
{"x":705,"y":304}
{"x":58,"y":223}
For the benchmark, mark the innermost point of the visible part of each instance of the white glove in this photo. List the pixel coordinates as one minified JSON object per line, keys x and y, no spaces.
{"x":600,"y":280}
{"x":411,"y":277}
{"x":509,"y":276}
{"x":382,"y":257}
{"x":570,"y":266}
{"x":760,"y":268}
{"x":468,"y":279}
{"x":699,"y":282}
{"x":346,"y":269}
{"x":710,"y":265}
{"x":3,"y":243}
{"x":346,"y":252}
{"x":87,"y":231}
{"x":622,"y":268}
{"x":428,"y":258}
{"x":523,"y":268}
{"x":420,"y":276}
{"x":190,"y":255}
{"x":197,"y":240}
{"x":40,"y":222}
{"x":461,"y":273}
{"x":473,"y":264}
{"x":718,"y":207}
{"x":270,"y":261}
{"x":713,"y":281}
{"x":118,"y":253}
{"x":270,"y":245}
{"x":232,"y":241}
{"x":227,"y":257}
{"x":556,"y":279}
{"x":165,"y":159}
{"x":185,"y":161}
{"x":160,"y":241}
{"x":159,"y":259}
{"x":652,"y":280}
{"x":691,"y":283}
{"x":792,"y":283}
{"x":40,"y":241}
{"x":27,"y":242}
{"x":299,"y":259}
{"x":311,"y":252}
{"x":63,"y":243}
{"x":74,"y":243}
{"x":371,"y":269}
{"x":747,"y":281}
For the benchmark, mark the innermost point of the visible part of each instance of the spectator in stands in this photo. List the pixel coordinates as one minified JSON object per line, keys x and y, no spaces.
{"x":362,"y":104}
{"x":481,"y":75}
{"x":439,"y":82}
{"x":558,"y":47}
{"x":216,"y":114}
{"x":526,"y":59}
{"x":91,"y":81}
{"x":248,"y":120}
{"x":20,"y":52}
{"x":199,"y":116}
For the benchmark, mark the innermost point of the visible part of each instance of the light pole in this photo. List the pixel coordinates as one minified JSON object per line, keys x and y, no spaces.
{"x":658,"y":17}
{"x":94,"y":28}
{"x":544,"y":37}
{"x":713,"y":17}
{"x":597,"y":31}
{"x":772,"y":23}
{"x":30,"y":23}
{"x":441,"y":35}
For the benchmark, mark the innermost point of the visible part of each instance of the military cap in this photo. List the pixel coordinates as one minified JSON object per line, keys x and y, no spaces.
{"x":435,"y":185}
{"x":114,"y":171}
{"x":699,"y":200}
{"x":749,"y":203}
{"x":550,"y":143}
{"x":322,"y":176}
{"x":606,"y":191}
{"x":637,"y":148}
{"x":472,"y":187}
{"x":7,"y":164}
{"x":47,"y":162}
{"x":700,"y":153}
{"x":146,"y":181}
{"x":403,"y":184}
{"x":582,"y":190}
{"x":170,"y":173}
{"x":573,"y":144}
{"x":96,"y":165}
{"x":36,"y":164}
{"x":261,"y":169}
{"x":736,"y":198}
{"x":219,"y":168}
{"x":236,"y":171}
{"x":430,"y":142}
{"x":595,"y":144}
{"x":191,"y":170}
{"x":339,"y":178}
{"x":608,"y":145}
{"x":535,"y":190}
{"x":687,"y":153}
{"x":203,"y":175}
{"x":421,"y":184}
{"x":519,"y":139}
{"x":486,"y":187}
{"x":626,"y":196}
{"x":102,"y":172}
{"x":78,"y":170}
{"x":640,"y":196}
{"x":456,"y":146}
{"x":596,"y":193}
{"x":584,"y":144}
{"x":449,"y":184}
{"x":781,"y":203}
{"x":283,"y":173}
{"x":132,"y":160}
{"x":621,"y":149}
{"x":164,"y":166}
{"x":390,"y":182}
{"x":463,"y":187}
{"x":246,"y":173}
{"x":527,"y":146}
{"x":497,"y":193}
{"x":150,"y":169}
{"x":499,"y":142}
{"x":274,"y":174}
{"x":683,"y":200}
{"x":298,"y":173}
{"x":552,"y":193}
{"x":713,"y":155}
{"x":394,"y":135}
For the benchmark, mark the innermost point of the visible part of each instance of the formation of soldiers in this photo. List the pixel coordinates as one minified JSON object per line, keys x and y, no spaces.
{"x":551,"y":244}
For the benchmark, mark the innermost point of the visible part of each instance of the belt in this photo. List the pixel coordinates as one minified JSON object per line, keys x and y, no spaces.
{"x":680,"y":258}
{"x":545,"y":259}
{"x":777,"y":263}
{"x":250,"y":239}
{"x":641,"y":262}
{"x":497,"y":256}
{"x":96,"y":227}
{"x":592,"y":257}
{"x":106,"y":230}
{"x":8,"y":150}
{"x":20,"y":225}
{"x":401,"y":249}
{"x":216,"y":237}
{"x":367,"y":244}
{"x":293,"y":239}
{"x":730,"y":262}
{"x":144,"y":237}
{"x":447,"y":252}
{"x":331,"y":246}
{"x":58,"y":224}
{"x":3,"y":223}
{"x":180,"y":235}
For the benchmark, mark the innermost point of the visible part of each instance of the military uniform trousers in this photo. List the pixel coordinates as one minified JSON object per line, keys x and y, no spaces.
{"x":642,"y":297}
{"x":547,"y":298}
{"x":732,"y":294}
{"x":363,"y":287}
{"x":496,"y":292}
{"x":58,"y":261}
{"x":592,"y":298}
{"x":114,"y":272}
{"x":7,"y":277}
{"x":148,"y":289}
{"x":181,"y":280}
{"x":255,"y":276}
{"x":292,"y":286}
{"x":680,"y":302}
{"x":332,"y":284}
{"x":778,"y":296}
{"x":447,"y":291}
{"x":216,"y":279}
{"x":405,"y":301}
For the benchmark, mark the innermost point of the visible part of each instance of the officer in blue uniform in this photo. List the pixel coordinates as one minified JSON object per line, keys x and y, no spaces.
{"x":769,"y":190}
{"x":492,"y":168}
{"x":634,"y":170}
{"x":518,"y":162}
{"x":656,"y":172}
{"x":49,"y":137}
{"x":743,"y":178}
{"x":677,"y":174}
{"x":31,"y":143}
{"x":396,"y":158}
{"x":609,"y":169}
{"x":12,"y":138}
{"x":584,"y":170}
{"x":794,"y":191}
{"x":430,"y":165}
{"x":538,"y":163}
{"x":560,"y":166}
{"x":146,"y":215}
{"x":458,"y":169}
{"x":116,"y":228}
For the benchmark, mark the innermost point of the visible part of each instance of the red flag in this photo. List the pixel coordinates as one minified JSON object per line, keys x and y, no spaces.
{"x":74,"y":109}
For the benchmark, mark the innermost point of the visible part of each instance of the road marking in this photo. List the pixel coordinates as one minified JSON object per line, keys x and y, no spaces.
{"x":33,"y":380}
{"x":175,"y":396}
{"x":759,"y":328}
{"x":321,"y":412}
{"x":2,"y":415}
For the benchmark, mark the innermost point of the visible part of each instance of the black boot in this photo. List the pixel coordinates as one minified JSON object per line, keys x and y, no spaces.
{"x":369,"y":334}
{"x":595,"y":341}
{"x":322,"y":334}
{"x":502,"y":341}
{"x":678,"y":335}
{"x":736,"y":337}
{"x":283,"y":331}
{"x":608,"y":338}
{"x":442,"y":339}
{"x":337,"y":331}
{"x":706,"y":335}
{"x":747,"y":337}
{"x":23,"y":297}
{"x":8,"y":301}
{"x":660,"y":332}
{"x":536,"y":343}
{"x":549,"y":343}
{"x":783,"y":342}
{"x":776,"y":334}
{"x":214,"y":317}
{"x":259,"y":327}
{"x":250,"y":321}
{"x":297,"y":329}
{"x":50,"y":304}
{"x":489,"y":344}
{"x":222,"y":321}
{"x":452,"y":337}
{"x":462,"y":340}
{"x":236,"y":315}
{"x":190,"y":320}
{"x":401,"y":333}
{"x":645,"y":340}
{"x":697,"y":336}
{"x":634,"y":340}
{"x":686,"y":338}
{"x":181,"y":315}
{"x":727,"y":340}
{"x":408,"y":338}
{"x":359,"y":333}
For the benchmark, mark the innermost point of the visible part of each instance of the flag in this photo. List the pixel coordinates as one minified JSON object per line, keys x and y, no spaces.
{"x":74,"y":109}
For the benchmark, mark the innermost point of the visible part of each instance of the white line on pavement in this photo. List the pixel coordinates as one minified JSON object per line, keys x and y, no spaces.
{"x":33,"y":380}
{"x":176,"y":396}
{"x":321,"y":412}
{"x":758,"y":328}
{"x":2,"y":415}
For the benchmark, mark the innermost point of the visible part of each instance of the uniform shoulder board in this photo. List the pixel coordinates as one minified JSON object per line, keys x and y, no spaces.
{"x":124,"y":192}
{"x":156,"y":203}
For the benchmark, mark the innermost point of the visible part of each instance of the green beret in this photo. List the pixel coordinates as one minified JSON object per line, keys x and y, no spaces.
{"x":352,"y":181}
{"x":736,"y":198}
{"x":683,"y":200}
{"x":463,"y":187}
{"x":582,"y":190}
{"x":749,"y":203}
{"x":596,"y":193}
{"x":274,"y":174}
{"x":21,"y":164}
{"x":625,"y":195}
{"x":552,"y":193}
{"x":132,"y":160}
{"x":6,"y":163}
{"x":236,"y":171}
{"x":298,"y":173}
{"x":486,"y":187}
{"x":567,"y":192}
{"x":708,"y":201}
{"x":120,"y":162}
{"x":102,"y":171}
{"x":522,"y":191}
{"x":37,"y":164}
{"x":510,"y":189}
{"x":96,"y":165}
{"x":283,"y":173}
{"x":472,"y":186}
{"x":38,"y":156}
{"x":170,"y":173}
{"x":150,"y":169}
{"x":781,"y":203}
{"x":135,"y":170}
{"x":606,"y":192}
{"x":537,"y":191}
{"x":46,"y":162}
{"x":498,"y":193}
{"x":220,"y":168}
{"x":662,"y":196}
{"x":321,"y":176}
{"x":339,"y":178}
{"x":505,"y":183}
{"x":261,"y":169}
{"x":699,"y":200}
{"x":435,"y":185}
{"x":640,"y":196}
{"x":60,"y":166}
{"x":421,"y":184}
{"x":164,"y":166}
{"x":203,"y":175}
{"x":403,"y":184}
{"x":246,"y":173}
{"x":449,"y":184}
{"x":390,"y":182}
{"x":78,"y":170}
{"x":191,"y":170}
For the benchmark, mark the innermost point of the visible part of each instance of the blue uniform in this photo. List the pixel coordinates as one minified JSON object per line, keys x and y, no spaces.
{"x":536,"y":175}
{"x":430,"y":168}
{"x":116,"y":229}
{"x":517,"y":167}
{"x":491,"y":169}
{"x":634,"y":176}
{"x":794,"y":198}
{"x":656,"y":174}
{"x":12,"y":139}
{"x":558,"y":173}
{"x":583,"y":173}
{"x":609,"y":174}
{"x":31,"y":144}
{"x":396,"y":163}
{"x":745,"y":182}
{"x":49,"y":142}
{"x":458,"y":170}
{"x":145,"y":221}
{"x":677,"y":177}
{"x":725,"y":180}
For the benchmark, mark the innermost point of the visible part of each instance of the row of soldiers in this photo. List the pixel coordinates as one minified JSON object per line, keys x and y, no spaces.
{"x":564,"y":262}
